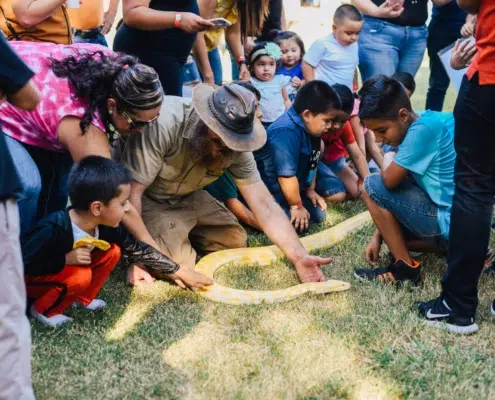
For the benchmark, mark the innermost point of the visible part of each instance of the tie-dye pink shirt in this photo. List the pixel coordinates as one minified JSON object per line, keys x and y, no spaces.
{"x":39,"y":127}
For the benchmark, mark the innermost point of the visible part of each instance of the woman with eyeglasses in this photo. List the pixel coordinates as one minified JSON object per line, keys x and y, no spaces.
{"x":90,"y":96}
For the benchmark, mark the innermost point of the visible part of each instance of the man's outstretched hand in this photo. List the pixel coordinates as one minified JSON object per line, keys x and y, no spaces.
{"x":308,"y":268}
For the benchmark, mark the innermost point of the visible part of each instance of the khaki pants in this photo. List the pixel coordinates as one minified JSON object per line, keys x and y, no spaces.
{"x":15,"y":335}
{"x":197,"y":223}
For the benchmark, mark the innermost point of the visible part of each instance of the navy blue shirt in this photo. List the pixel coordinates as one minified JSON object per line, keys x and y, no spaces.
{"x":14,"y":75}
{"x":450,"y":12}
{"x":289,"y":151}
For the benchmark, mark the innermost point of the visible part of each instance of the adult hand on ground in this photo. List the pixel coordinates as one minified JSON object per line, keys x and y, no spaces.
{"x":389,"y":9}
{"x":79,"y":256}
{"x":192,"y":279}
{"x":372,"y":251}
{"x":192,"y":23}
{"x":462,"y":54}
{"x":300,"y":219}
{"x":308,"y":268}
{"x":137,"y":275}
{"x":108,"y":20}
{"x":244,"y":74}
{"x":316,"y":199}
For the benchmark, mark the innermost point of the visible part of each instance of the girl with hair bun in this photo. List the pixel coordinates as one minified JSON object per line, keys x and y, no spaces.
{"x":89,"y":97}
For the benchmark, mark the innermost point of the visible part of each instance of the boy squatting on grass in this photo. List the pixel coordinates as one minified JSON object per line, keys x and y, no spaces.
{"x":411,"y":199}
{"x":288,"y":161}
{"x":57,"y":275}
{"x":338,"y":141}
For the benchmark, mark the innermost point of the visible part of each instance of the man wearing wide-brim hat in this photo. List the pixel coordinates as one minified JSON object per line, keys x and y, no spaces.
{"x":190,"y":145}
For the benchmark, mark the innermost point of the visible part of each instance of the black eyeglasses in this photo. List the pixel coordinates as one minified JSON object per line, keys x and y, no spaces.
{"x":133,"y":124}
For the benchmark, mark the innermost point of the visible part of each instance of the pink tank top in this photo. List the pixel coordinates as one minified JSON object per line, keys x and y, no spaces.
{"x":39,"y":127}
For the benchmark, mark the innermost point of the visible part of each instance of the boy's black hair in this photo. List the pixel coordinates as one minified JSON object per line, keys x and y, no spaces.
{"x":249,"y":86}
{"x":382,"y":97}
{"x":406,"y":79}
{"x":317,"y":97}
{"x":346,"y":97}
{"x":259,"y":46}
{"x":347,"y":11}
{"x":96,"y":178}
{"x":278,"y":36}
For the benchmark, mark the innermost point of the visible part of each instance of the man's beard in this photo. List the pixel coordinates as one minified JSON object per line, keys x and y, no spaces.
{"x":207,"y":154}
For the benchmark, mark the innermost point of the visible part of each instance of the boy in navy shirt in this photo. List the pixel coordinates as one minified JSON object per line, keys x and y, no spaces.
{"x":288,"y":162}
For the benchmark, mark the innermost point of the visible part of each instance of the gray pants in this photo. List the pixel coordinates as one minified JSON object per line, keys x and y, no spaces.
{"x":15,"y":333}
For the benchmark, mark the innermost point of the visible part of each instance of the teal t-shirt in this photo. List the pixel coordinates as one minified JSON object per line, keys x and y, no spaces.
{"x":223,"y":188}
{"x":428,"y":153}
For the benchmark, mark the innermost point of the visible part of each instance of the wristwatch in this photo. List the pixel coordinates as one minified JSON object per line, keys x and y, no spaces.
{"x":178,"y":17}
{"x":296,"y":206}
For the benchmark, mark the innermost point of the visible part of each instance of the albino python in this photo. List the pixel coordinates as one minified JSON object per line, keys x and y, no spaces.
{"x":266,"y":255}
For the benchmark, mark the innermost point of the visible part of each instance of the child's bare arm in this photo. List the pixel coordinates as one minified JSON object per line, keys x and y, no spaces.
{"x":358,"y":131}
{"x":372,"y":149}
{"x":393,"y":175}
{"x":285,"y":96}
{"x":308,"y":72}
{"x":359,"y":160}
{"x":242,"y":213}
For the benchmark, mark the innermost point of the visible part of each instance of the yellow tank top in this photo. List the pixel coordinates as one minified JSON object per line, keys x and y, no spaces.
{"x":225,"y":9}
{"x":54,"y":29}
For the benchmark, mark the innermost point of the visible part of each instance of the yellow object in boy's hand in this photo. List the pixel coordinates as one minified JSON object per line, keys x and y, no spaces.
{"x":100,"y":244}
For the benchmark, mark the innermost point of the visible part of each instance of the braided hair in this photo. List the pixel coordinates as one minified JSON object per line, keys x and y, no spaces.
{"x":96,"y":76}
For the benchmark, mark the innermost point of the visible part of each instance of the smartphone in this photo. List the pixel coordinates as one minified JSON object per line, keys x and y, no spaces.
{"x":220,"y":23}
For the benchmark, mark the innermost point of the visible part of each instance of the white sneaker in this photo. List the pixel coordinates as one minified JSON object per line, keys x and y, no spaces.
{"x":492,"y":308}
{"x":53,"y":322}
{"x":96,"y":304}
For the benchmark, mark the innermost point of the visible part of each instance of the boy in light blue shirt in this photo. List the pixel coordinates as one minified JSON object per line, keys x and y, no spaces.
{"x":334,"y":58}
{"x":410,"y":200}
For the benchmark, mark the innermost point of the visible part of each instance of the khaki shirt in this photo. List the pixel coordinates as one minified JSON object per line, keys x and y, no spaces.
{"x":160,"y":158}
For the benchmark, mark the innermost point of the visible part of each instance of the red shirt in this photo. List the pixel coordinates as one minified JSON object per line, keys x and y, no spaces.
{"x":484,"y":60}
{"x":335,"y":143}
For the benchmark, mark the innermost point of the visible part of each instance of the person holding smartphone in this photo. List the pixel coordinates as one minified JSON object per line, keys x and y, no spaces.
{"x":161,"y":34}
{"x":246,"y":18}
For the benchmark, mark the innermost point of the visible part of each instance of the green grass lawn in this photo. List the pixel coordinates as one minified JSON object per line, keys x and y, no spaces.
{"x":164,"y":343}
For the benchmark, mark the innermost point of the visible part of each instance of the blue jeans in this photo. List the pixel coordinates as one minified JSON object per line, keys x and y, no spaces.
{"x":216,"y":65}
{"x":472,"y":205}
{"x":327,"y":183}
{"x":440,"y":35}
{"x":98,"y":38}
{"x":411,"y":206}
{"x":386,"y":48}
{"x":43,"y":175}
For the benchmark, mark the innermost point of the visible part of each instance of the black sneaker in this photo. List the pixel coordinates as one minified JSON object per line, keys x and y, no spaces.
{"x":438,"y":314}
{"x":396,"y":272}
{"x":492,"y":308}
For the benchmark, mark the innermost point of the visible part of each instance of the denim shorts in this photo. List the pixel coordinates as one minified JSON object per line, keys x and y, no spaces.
{"x":327,"y":183}
{"x":411,"y":206}
{"x":337,"y":165}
